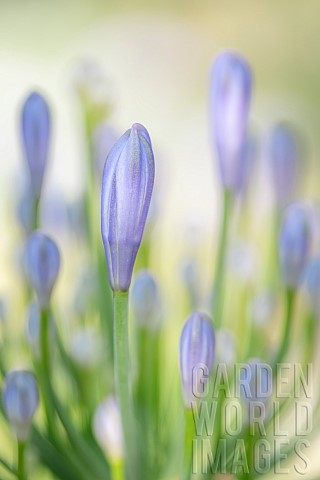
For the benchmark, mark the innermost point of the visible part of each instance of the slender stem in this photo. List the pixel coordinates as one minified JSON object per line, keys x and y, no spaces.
{"x":46,"y":370}
{"x":121,"y":370}
{"x":53,"y":407}
{"x":116,"y":467}
{"x":189,"y":434}
{"x":21,"y":461}
{"x":285,"y":341}
{"x":218,"y":294}
{"x":36,"y":213}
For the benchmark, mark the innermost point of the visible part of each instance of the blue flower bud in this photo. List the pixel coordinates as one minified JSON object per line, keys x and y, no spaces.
{"x":20,"y":401}
{"x":36,"y":127}
{"x":230,"y":94}
{"x":42,"y":264}
{"x":313,"y":284}
{"x":197,"y":352}
{"x":284,"y":156}
{"x":145,"y":300}
{"x":294,"y":244}
{"x":127,"y":185}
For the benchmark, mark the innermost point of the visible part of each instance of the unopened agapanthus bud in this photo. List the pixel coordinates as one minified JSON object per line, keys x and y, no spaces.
{"x":284,"y":156}
{"x":230,"y":93}
{"x":197,"y":353}
{"x":36,"y":127}
{"x":20,"y":401}
{"x":42,"y":264}
{"x":127,"y":185}
{"x":313,"y":284}
{"x":145,"y":300}
{"x":294,"y":244}
{"x":107,"y":428}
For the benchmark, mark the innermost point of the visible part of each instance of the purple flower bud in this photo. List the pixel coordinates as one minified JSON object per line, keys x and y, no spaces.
{"x":313,"y":284}
{"x":36,"y":127}
{"x":127,"y":185}
{"x":294,"y":244}
{"x":230,"y":93}
{"x":43,"y":263}
{"x":20,"y":401}
{"x":145,"y":300}
{"x":284,"y":153}
{"x":197,"y":352}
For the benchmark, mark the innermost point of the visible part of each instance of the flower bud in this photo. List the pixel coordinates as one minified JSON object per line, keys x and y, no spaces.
{"x":107,"y":428}
{"x":127,"y":185}
{"x":294,"y":244}
{"x":20,"y":401}
{"x":197,"y":352}
{"x":313,"y":284}
{"x":284,"y":156}
{"x":230,"y":93}
{"x":145,"y":300}
{"x":42,"y":263}
{"x":36,"y":127}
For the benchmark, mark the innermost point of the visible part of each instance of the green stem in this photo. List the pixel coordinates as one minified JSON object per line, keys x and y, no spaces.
{"x":121,"y":370}
{"x":218,"y":293}
{"x":53,"y":406}
{"x":116,"y":470}
{"x":189,"y":434}
{"x":286,"y":334}
{"x":46,"y":370}
{"x":21,"y":461}
{"x":36,"y":213}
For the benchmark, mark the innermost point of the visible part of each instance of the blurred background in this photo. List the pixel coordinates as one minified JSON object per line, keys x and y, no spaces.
{"x":155,"y":58}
